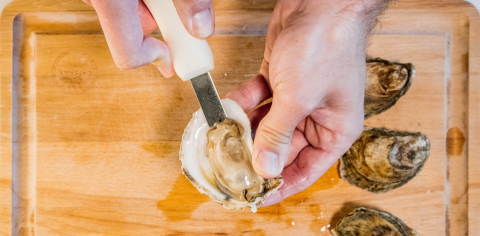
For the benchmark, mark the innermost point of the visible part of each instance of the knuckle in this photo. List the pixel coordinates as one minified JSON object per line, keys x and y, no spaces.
{"x":246,"y":94}
{"x":296,"y":102}
{"x":275,"y":136}
{"x":303,"y":180}
{"x":192,"y":7}
{"x":127,"y":63}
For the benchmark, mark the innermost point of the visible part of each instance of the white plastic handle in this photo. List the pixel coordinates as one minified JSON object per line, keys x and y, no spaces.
{"x":191,"y":56}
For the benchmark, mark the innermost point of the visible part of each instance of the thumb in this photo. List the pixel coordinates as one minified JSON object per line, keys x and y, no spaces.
{"x":197,"y":17}
{"x":273,"y":138}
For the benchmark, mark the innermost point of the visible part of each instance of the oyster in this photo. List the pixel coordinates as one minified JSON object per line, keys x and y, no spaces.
{"x":382,"y":160}
{"x":367,"y":222}
{"x":386,"y":83}
{"x":218,"y":160}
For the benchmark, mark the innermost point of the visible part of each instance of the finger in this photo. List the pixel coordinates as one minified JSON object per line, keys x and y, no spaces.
{"x":147,"y":21}
{"x":256,"y":116}
{"x":299,"y":142}
{"x":251,"y":93}
{"x":197,"y":17}
{"x":309,"y":166}
{"x":273,"y":136}
{"x":124,"y":35}
{"x":313,"y":162}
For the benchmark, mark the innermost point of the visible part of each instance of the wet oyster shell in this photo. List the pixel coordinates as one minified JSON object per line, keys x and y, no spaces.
{"x":386,"y":83}
{"x":368,"y":222}
{"x":382,"y":160}
{"x":197,"y":168}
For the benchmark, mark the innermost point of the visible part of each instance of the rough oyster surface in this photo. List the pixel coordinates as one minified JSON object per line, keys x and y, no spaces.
{"x":382,"y":160}
{"x":217,"y":160}
{"x":386,"y":83}
{"x":368,"y":222}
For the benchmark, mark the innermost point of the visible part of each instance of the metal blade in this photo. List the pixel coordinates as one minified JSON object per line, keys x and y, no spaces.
{"x":208,"y":98}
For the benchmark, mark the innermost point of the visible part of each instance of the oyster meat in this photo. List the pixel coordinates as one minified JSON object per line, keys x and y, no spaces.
{"x":218,"y":160}
{"x":386,"y":83}
{"x":368,"y":222}
{"x":382,"y":160}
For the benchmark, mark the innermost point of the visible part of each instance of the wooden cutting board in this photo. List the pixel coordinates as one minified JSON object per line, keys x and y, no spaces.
{"x":88,"y":149}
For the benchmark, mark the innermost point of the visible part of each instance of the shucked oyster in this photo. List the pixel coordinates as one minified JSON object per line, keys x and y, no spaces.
{"x":382,"y":160}
{"x":231,"y":161}
{"x":368,"y":222}
{"x":386,"y":83}
{"x":218,"y":161}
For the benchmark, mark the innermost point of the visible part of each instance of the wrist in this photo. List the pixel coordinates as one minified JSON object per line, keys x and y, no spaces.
{"x":352,"y":10}
{"x":359,"y":14}
{"x":355,"y":10}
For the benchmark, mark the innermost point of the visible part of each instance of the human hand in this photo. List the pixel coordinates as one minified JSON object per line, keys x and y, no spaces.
{"x":126,"y":24}
{"x":314,"y":66}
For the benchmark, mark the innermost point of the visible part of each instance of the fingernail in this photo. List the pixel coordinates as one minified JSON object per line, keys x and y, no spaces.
{"x":267,"y":162}
{"x":165,"y":73}
{"x":203,"y":23}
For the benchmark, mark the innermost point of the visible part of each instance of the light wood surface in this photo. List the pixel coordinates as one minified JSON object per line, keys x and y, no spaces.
{"x":88,"y":149}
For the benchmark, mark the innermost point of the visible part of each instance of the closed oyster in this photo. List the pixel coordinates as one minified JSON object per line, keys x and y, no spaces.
{"x":368,"y":222}
{"x":218,"y":160}
{"x":386,"y":83}
{"x":382,"y":160}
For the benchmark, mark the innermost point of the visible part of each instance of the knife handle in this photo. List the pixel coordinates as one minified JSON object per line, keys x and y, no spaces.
{"x":191,"y":56}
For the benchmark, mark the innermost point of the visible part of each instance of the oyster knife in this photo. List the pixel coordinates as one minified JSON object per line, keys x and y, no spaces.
{"x":192,"y":58}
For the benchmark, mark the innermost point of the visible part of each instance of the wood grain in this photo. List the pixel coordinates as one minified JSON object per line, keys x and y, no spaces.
{"x":99,"y":155}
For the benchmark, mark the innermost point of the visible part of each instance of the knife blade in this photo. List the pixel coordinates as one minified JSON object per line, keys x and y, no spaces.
{"x":208,"y":98}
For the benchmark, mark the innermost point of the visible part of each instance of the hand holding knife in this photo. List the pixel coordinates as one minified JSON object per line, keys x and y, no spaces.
{"x":192,"y":58}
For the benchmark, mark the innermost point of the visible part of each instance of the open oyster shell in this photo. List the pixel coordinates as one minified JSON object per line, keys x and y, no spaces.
{"x":368,"y":222}
{"x":386,"y":83}
{"x":224,"y":178}
{"x":382,"y":160}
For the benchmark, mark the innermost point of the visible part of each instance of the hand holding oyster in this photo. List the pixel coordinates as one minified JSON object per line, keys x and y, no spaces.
{"x":218,"y":161}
